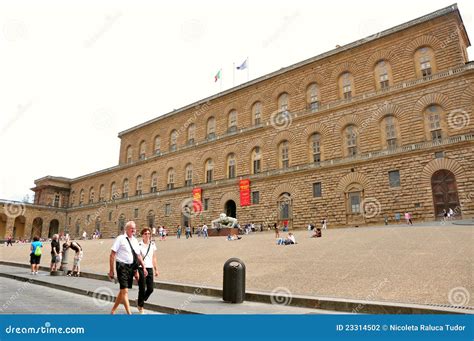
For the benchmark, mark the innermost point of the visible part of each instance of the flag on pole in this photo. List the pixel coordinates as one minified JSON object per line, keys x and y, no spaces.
{"x":217,"y":76}
{"x":243,"y":66}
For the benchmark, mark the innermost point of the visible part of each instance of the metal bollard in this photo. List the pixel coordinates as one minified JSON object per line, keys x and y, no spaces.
{"x":64,"y":262}
{"x":234,"y":281}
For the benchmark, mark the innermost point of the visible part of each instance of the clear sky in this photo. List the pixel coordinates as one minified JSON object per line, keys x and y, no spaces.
{"x":74,"y":74}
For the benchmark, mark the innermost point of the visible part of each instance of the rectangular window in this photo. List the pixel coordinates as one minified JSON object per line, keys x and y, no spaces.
{"x":209,"y":176}
{"x":439,"y":155}
{"x":317,"y":190}
{"x":206,"y":204}
{"x":56,"y":200}
{"x":167,"y":209}
{"x":256,"y":166}
{"x":354,"y":201}
{"x":110,"y":216}
{"x":394,"y":178}
{"x":255,"y":197}
{"x":436,"y":135}
{"x":135,"y":213}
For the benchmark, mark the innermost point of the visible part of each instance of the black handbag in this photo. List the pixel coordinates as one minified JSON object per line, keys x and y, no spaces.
{"x":135,"y":263}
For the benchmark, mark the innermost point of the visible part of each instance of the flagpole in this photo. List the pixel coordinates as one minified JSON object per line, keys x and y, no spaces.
{"x":220,"y":79}
{"x":248,"y":69}
{"x":233,"y":74}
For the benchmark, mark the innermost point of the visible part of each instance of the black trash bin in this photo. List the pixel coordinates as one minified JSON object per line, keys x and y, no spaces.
{"x":234,"y":281}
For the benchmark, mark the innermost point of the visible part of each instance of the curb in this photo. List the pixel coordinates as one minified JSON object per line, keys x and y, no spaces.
{"x":302,"y":301}
{"x":102,"y":296}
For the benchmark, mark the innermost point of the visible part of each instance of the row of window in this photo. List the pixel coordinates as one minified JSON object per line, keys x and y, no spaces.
{"x":390,"y":137}
{"x":393,"y":178}
{"x":383,"y":74}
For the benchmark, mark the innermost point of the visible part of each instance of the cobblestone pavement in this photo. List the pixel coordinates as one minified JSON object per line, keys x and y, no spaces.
{"x":421,"y":264}
{"x":26,"y":298}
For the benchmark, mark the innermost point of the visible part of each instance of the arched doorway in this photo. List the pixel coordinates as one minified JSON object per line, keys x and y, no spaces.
{"x":230,"y":208}
{"x":3,"y":225}
{"x":354,"y":196}
{"x":121,"y":223}
{"x":19,"y":227}
{"x":445,"y":192}
{"x":285,"y":210}
{"x":53,"y":228}
{"x":37,"y":227}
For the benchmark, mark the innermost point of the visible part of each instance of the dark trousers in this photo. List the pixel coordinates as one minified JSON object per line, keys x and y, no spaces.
{"x":145,"y":286}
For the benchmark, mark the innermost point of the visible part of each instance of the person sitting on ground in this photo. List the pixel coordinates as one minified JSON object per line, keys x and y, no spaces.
{"x":76,"y":269}
{"x":317,"y":233}
{"x":233,"y":237}
{"x":289,"y":240}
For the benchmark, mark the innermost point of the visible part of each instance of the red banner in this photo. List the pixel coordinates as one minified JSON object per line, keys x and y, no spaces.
{"x":244,"y":192}
{"x":197,"y":199}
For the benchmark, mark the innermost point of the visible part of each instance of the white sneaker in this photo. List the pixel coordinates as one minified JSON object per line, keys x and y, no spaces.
{"x":32,"y":273}
{"x":36,"y":272}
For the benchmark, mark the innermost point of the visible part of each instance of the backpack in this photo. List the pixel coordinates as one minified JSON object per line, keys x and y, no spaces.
{"x":38,"y":250}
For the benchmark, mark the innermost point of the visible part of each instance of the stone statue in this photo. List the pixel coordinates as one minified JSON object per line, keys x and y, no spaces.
{"x":224,"y":221}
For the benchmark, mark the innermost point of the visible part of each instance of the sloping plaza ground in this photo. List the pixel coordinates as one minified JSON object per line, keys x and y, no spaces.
{"x":429,"y":264}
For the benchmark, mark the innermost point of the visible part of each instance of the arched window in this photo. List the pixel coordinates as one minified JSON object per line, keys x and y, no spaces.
{"x":173,"y":140}
{"x":188,"y":175}
{"x":257,"y":113}
{"x":256,"y":160}
{"x":346,"y":85}
{"x":284,"y":153}
{"x":125,"y":189}
{"x":312,"y":97}
{"x":434,"y":123}
{"x":284,"y":207}
{"x":232,"y":121}
{"x":129,"y":154}
{"x":390,"y":132}
{"x":425,"y":64}
{"x":73,"y":199}
{"x":91,"y":195}
{"x":154,"y":182}
{"x":102,"y":193}
{"x":157,"y":145}
{"x":231,"y":166}
{"x":191,"y":133}
{"x":142,"y":150}
{"x":139,"y":185}
{"x":383,"y":74}
{"x":171,"y":176}
{"x":151,"y":218}
{"x":209,"y":170}
{"x":113,"y":191}
{"x":283,"y":102}
{"x":315,"y":147}
{"x":211,"y":128}
{"x":350,"y":138}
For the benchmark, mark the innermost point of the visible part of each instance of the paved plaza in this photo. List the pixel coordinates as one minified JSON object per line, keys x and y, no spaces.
{"x":420,"y":264}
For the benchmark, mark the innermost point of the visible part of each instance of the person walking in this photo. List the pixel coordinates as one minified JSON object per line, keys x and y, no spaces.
{"x":125,"y":255}
{"x":35,"y":255}
{"x":324,"y":224}
{"x":178,"y":231}
{"x":277,"y":231}
{"x":55,"y":251}
{"x":408,"y":218}
{"x":9,"y":240}
{"x":188,"y":231}
{"x":145,"y":283}
{"x":204,"y":231}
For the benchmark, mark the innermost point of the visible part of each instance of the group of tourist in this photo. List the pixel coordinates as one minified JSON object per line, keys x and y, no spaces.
{"x":36,"y":251}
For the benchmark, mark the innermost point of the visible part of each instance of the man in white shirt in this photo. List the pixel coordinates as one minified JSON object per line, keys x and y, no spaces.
{"x":204,"y":231}
{"x":123,"y":256}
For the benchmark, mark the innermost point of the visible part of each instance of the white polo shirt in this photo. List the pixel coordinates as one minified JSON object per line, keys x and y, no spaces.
{"x":148,"y":260}
{"x":122,"y":249}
